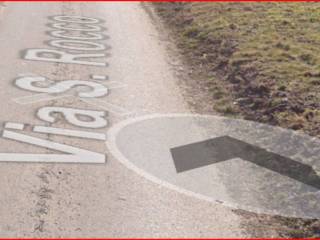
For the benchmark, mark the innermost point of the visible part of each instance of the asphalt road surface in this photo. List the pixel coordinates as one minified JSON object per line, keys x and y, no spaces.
{"x":87,"y":192}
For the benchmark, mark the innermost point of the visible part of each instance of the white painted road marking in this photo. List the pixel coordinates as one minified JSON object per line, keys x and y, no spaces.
{"x":143,"y":144}
{"x":47,"y":90}
{"x":74,"y":155}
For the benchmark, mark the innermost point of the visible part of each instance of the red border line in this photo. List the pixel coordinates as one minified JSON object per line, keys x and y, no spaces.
{"x":162,"y":1}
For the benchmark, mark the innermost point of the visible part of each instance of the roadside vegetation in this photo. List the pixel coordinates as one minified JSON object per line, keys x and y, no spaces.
{"x":259,"y":61}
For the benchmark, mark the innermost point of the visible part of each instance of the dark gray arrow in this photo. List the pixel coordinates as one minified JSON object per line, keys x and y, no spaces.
{"x":223,"y":148}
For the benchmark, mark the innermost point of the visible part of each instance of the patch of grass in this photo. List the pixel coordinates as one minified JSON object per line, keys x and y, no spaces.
{"x":250,"y":44}
{"x":224,"y":106}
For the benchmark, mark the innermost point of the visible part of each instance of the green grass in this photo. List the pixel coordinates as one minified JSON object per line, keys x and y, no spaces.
{"x":275,"y":45}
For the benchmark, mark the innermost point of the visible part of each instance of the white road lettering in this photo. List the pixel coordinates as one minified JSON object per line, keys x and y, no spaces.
{"x":41,"y":54}
{"x":70,"y":133}
{"x":27,"y":83}
{"x":73,"y":46}
{"x":76,"y":19}
{"x":86,"y":36}
{"x":17,"y":126}
{"x":94,"y":119}
{"x":99,"y":77}
{"x":77,"y":45}
{"x":73,"y":154}
{"x":87,"y":28}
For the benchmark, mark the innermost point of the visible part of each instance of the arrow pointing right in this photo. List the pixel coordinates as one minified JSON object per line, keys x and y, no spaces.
{"x":223,"y":148}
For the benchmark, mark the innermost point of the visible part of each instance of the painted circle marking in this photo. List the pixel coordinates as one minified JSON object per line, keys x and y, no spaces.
{"x":143,"y":144}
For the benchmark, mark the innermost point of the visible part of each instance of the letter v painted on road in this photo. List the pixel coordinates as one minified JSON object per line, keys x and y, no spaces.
{"x":74,"y":155}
